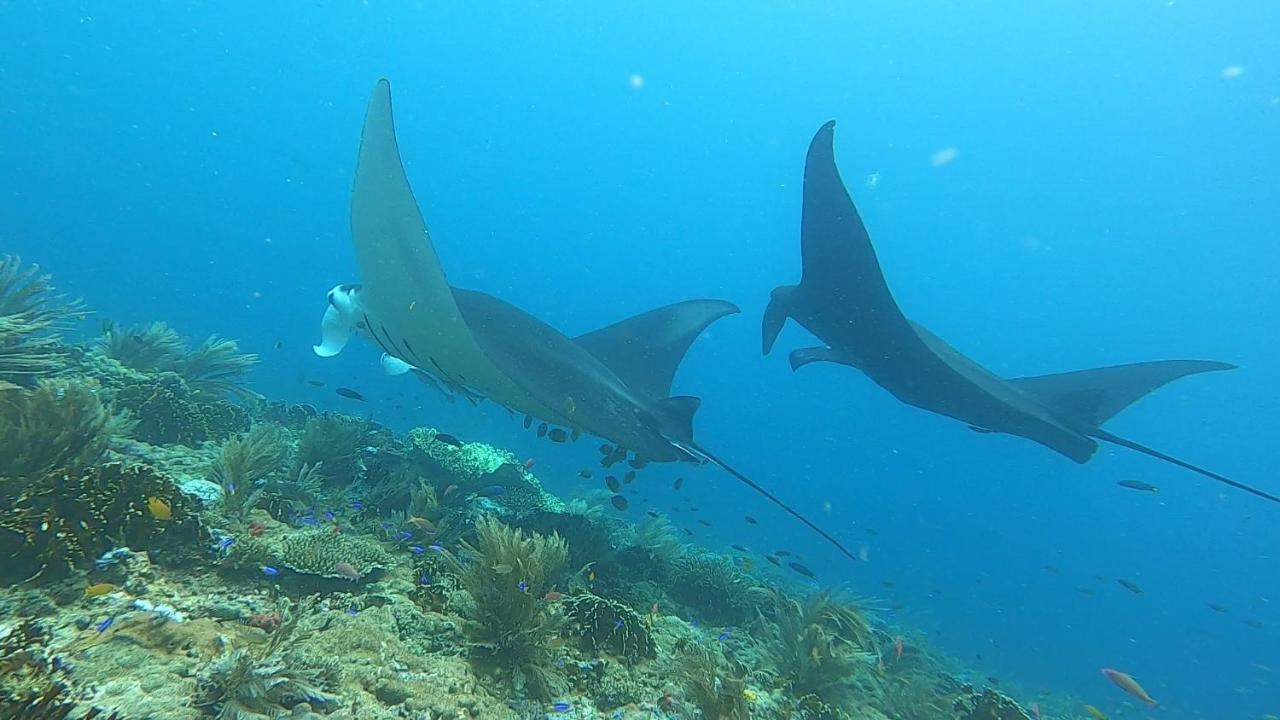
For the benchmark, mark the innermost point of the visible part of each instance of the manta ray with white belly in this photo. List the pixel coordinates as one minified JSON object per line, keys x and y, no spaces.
{"x":614,"y":383}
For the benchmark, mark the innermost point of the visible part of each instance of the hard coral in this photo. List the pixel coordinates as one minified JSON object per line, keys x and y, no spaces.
{"x":714,"y":587}
{"x":63,"y":520}
{"x":318,"y":552}
{"x":606,"y":625}
{"x":169,"y":412}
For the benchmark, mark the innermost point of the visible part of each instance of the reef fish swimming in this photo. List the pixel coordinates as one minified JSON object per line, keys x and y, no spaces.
{"x":845,"y":301}
{"x":1125,"y":682}
{"x":349,"y":393}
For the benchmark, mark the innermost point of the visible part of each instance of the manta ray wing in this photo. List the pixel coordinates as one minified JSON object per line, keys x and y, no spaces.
{"x":646,"y":350}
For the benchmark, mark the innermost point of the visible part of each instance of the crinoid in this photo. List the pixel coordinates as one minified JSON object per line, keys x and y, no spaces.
{"x":58,"y":425}
{"x":31,"y":312}
{"x":715,"y":685}
{"x":507,"y":573}
{"x":215,"y":367}
{"x":246,"y":462}
{"x":819,"y":646}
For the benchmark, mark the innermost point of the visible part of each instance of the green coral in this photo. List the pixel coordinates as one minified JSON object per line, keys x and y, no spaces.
{"x":60,"y":424}
{"x":216,"y":367}
{"x":31,"y":311}
{"x":507,"y":573}
{"x":819,"y":646}
{"x":606,"y":625}
{"x":63,"y":520}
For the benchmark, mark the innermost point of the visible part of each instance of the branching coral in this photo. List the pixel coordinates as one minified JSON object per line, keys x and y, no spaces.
{"x":216,"y":367}
{"x":30,"y":313}
{"x":60,"y":424}
{"x":243,"y":684}
{"x":606,"y":625}
{"x":507,"y":573}
{"x":63,"y":520}
{"x":818,"y":646}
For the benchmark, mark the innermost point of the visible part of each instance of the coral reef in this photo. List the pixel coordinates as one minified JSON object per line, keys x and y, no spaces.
{"x":170,"y":552}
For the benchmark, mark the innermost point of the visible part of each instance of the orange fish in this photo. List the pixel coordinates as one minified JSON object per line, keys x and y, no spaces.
{"x":99,"y":589}
{"x":1125,"y":682}
{"x":553,"y":595}
{"x":160,"y":509}
{"x":898,"y":647}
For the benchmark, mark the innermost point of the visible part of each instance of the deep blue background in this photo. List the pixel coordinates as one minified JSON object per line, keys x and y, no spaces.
{"x":1112,"y":200}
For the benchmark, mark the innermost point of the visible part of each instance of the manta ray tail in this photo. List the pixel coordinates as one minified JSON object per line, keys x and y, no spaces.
{"x":1117,"y":440}
{"x":775,"y":500}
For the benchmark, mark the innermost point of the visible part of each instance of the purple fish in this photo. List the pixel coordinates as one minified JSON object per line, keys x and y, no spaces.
{"x":416,"y":549}
{"x":269,"y":571}
{"x":617,"y":624}
{"x":424,"y":579}
{"x":102,"y":626}
{"x":522,"y":586}
{"x":436,"y":547}
{"x":561,"y":707}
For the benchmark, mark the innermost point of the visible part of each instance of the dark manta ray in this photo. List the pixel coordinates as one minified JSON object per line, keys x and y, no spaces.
{"x":614,"y":382}
{"x":844,"y":300}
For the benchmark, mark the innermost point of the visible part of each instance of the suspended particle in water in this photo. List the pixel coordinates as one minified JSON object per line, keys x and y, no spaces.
{"x":873,"y":181}
{"x":1232,"y":72}
{"x":943,"y":156}
{"x":636,"y":81}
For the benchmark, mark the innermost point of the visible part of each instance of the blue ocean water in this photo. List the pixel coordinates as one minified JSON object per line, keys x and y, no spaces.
{"x":1109,"y":198}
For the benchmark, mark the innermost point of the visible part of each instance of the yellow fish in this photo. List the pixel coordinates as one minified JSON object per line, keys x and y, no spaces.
{"x":1095,"y":712}
{"x":99,"y":589}
{"x":160,"y":509}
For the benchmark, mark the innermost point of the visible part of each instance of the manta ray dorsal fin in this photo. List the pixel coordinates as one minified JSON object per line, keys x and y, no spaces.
{"x":644,"y":351}
{"x":1088,"y":398}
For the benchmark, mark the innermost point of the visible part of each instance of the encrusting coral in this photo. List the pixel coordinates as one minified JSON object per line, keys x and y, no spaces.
{"x":507,"y":574}
{"x":31,"y":312}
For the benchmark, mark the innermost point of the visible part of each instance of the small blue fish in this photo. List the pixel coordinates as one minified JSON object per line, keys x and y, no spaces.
{"x":307,"y":519}
{"x":725,"y":635}
{"x":424,"y":579}
{"x":416,"y":549}
{"x":225,"y":544}
{"x":231,"y":488}
{"x":492,"y":491}
{"x":405,"y":534}
{"x":356,"y":505}
{"x":617,"y":624}
{"x":561,"y":707}
{"x":102,"y":626}
{"x":522,"y":586}
{"x":386,"y":525}
{"x":269,"y":571}
{"x":328,"y":515}
{"x":693,"y":621}
{"x":561,"y":661}
{"x":437,"y":547}
{"x":352,"y":611}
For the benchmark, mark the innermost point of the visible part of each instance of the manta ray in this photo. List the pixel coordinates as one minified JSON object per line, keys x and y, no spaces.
{"x":614,"y":383}
{"x":844,"y":300}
